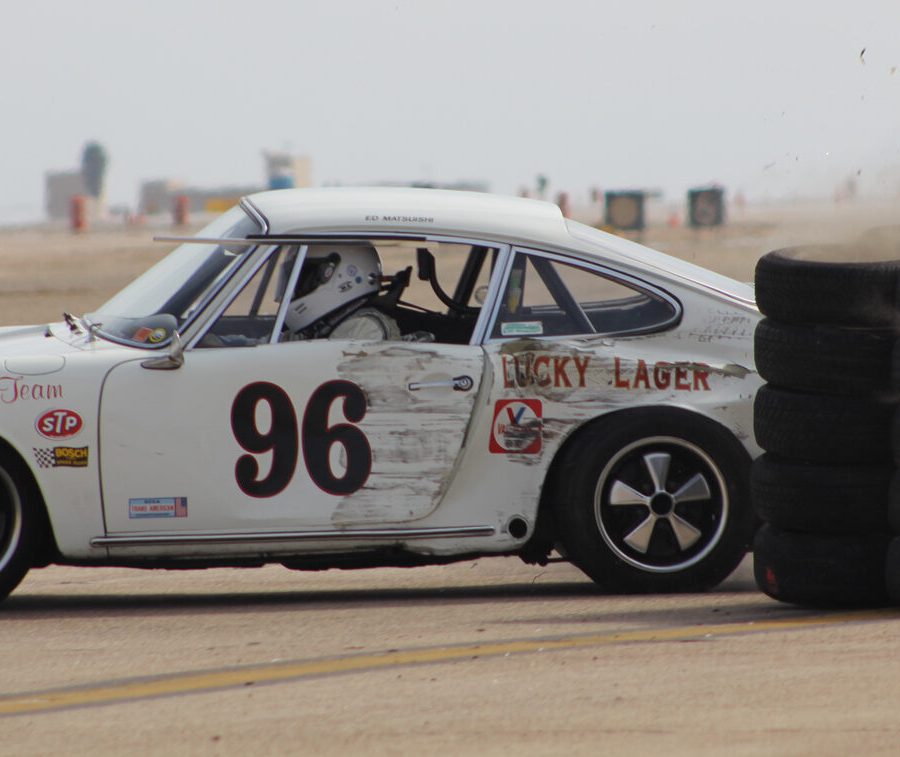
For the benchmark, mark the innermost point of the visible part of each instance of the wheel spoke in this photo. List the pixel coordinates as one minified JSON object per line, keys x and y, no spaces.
{"x":693,"y":490}
{"x":686,"y":534}
{"x":658,"y":466}
{"x":639,"y":539}
{"x":622,"y":494}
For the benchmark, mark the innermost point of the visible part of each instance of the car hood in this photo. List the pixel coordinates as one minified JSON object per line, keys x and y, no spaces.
{"x":33,"y":350}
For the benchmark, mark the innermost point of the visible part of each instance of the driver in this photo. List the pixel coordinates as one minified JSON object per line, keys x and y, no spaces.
{"x":330,"y":298}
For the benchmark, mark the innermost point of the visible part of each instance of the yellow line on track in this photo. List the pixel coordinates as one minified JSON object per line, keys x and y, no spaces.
{"x":192,"y":683}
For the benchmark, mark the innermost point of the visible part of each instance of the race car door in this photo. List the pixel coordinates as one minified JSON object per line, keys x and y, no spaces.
{"x":310,"y":434}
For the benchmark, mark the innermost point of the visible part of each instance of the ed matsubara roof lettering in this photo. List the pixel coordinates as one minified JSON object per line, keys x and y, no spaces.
{"x":399,"y":219}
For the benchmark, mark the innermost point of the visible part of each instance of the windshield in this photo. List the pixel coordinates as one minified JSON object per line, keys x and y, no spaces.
{"x":170,"y":293}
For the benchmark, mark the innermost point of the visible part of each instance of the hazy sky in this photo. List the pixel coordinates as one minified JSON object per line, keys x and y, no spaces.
{"x":771,"y":98}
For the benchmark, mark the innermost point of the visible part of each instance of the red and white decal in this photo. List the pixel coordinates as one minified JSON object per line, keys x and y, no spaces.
{"x":517,"y":427}
{"x":59,"y":424}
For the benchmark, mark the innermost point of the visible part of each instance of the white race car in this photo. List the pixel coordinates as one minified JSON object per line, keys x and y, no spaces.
{"x":389,"y":377}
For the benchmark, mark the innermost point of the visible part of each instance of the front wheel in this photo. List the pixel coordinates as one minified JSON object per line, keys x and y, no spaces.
{"x":17,"y":532}
{"x":656,"y":501}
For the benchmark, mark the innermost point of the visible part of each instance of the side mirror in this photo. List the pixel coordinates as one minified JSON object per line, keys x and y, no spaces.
{"x":170,"y":361}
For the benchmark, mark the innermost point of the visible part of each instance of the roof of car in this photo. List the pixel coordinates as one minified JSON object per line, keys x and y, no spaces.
{"x":407,"y":209}
{"x":371,"y":210}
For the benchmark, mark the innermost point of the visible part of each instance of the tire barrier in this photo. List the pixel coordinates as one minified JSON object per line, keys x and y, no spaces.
{"x":821,"y":570}
{"x":796,"y":286}
{"x":825,"y":359}
{"x":827,"y":487}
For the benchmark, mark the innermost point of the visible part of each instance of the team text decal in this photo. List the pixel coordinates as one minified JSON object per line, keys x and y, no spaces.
{"x":517,"y":427}
{"x":662,"y":375}
{"x":16,"y":389}
{"x":280,"y":438}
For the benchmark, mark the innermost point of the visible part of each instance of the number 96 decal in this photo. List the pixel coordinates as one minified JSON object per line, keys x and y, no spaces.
{"x":318,"y":439}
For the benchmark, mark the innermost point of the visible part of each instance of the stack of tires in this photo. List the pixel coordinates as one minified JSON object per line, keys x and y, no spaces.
{"x":823,"y":487}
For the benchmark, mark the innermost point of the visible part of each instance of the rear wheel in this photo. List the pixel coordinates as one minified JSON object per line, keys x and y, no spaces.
{"x":17,"y":532}
{"x":656,"y":501}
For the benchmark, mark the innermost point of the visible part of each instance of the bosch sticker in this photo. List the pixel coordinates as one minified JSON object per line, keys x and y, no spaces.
{"x":61,"y":457}
{"x":517,"y":427}
{"x":59,"y":424}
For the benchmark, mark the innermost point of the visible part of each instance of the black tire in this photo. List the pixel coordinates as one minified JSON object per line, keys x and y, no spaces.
{"x":892,"y":570}
{"x":893,"y":503}
{"x":824,"y":359}
{"x":821,"y":570}
{"x":825,"y":498}
{"x":18,"y":529}
{"x":655,"y":500}
{"x":895,"y":368}
{"x":808,"y":285}
{"x":823,"y":428}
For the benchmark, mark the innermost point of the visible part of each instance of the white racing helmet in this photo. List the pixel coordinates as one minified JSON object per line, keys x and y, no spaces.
{"x":332,"y":277}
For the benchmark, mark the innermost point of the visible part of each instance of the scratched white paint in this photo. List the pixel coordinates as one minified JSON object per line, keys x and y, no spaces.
{"x":415,"y":435}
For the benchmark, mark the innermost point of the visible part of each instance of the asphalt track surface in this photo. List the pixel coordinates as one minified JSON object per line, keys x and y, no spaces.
{"x":483,"y":657}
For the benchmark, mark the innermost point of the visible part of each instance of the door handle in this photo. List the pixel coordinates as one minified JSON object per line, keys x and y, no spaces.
{"x":458,"y":384}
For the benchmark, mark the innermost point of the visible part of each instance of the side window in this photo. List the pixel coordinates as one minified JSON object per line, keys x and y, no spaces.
{"x":250,"y":317}
{"x":546,"y":297}
{"x":385,"y":289}
{"x":446,"y":284}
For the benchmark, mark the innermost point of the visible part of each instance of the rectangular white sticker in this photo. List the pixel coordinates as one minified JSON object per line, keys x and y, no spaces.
{"x":158,"y":507}
{"x":522,"y":328}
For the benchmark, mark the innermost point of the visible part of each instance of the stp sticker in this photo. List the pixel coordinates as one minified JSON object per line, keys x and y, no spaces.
{"x":517,"y":427}
{"x":59,"y":424}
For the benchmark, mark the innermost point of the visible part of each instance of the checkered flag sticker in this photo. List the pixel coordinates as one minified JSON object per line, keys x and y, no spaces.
{"x":44,"y":457}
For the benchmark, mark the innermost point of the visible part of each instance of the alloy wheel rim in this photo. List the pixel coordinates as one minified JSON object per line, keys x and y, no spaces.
{"x":661,"y":504}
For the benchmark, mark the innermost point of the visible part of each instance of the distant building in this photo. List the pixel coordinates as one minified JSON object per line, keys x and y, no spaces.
{"x":86,"y":182}
{"x":158,"y":196}
{"x":285,"y":170}
{"x":59,"y":189}
{"x":282,"y":171}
